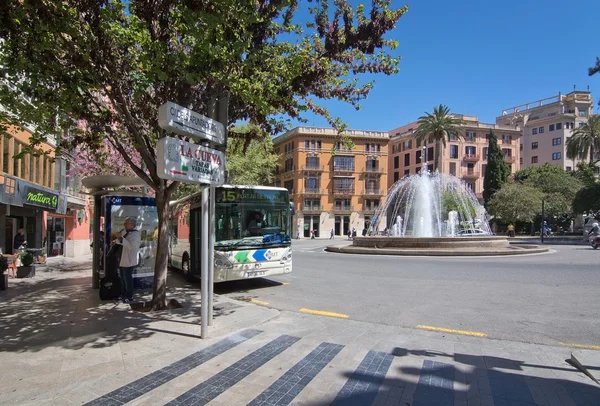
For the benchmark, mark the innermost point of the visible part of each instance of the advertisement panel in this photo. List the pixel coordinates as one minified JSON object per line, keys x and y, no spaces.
{"x":118,"y":208}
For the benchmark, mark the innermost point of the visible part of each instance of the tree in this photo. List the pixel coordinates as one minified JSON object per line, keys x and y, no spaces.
{"x":516,"y":202}
{"x":252,"y":164}
{"x":585,"y":173}
{"x":585,"y":139}
{"x":496,"y":171}
{"x":105,"y":160}
{"x":595,"y":69}
{"x":587,"y":200}
{"x":111,"y":64}
{"x":436,"y":128}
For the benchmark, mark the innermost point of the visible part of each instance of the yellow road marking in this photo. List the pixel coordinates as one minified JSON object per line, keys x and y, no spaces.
{"x":323,"y":313}
{"x":452,"y":331}
{"x":285,"y":283}
{"x":585,"y":346}
{"x":259,"y":302}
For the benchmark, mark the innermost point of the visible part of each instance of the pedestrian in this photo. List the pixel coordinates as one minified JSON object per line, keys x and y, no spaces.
{"x":364,"y":232}
{"x":298,"y":231}
{"x":353,"y":232}
{"x":19,"y":241}
{"x":511,"y":230}
{"x":312,"y":234}
{"x":129,"y":257}
{"x":349,"y":234}
{"x":331,"y":234}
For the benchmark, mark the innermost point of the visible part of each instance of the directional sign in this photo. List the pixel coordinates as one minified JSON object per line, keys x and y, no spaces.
{"x":187,"y":162}
{"x":178,"y":119}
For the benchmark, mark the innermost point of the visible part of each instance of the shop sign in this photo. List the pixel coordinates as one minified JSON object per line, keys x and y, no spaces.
{"x":41,"y":198}
{"x":178,"y":119}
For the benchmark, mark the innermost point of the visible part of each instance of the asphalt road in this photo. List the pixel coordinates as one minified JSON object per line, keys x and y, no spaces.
{"x":548,"y":299}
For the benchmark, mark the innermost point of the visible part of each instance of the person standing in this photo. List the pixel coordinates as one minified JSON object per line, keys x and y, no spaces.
{"x":331,"y":234}
{"x":129,"y":257}
{"x":19,"y":241}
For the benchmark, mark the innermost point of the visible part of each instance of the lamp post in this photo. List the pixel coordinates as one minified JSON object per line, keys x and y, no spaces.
{"x":542,"y":225}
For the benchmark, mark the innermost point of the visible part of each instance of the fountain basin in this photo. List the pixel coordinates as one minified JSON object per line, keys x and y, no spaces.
{"x":436,"y":246}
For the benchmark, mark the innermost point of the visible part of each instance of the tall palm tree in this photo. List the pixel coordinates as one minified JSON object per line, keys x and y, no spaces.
{"x":437,"y":127}
{"x":585,"y":139}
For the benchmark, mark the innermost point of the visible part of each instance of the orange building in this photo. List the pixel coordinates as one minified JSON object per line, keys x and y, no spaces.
{"x":465,"y":158}
{"x":333,"y":187}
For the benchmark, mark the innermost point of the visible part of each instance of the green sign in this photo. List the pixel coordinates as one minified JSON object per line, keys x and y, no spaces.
{"x":41,"y":198}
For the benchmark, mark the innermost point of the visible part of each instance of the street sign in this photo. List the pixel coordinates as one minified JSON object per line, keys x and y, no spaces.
{"x":186,"y":162}
{"x":178,"y":119}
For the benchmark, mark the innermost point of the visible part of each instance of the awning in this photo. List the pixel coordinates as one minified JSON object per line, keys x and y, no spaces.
{"x":60,"y":216}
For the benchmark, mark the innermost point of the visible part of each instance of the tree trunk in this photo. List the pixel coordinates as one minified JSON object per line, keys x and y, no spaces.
{"x":159,"y":288}
{"x":437,"y":156}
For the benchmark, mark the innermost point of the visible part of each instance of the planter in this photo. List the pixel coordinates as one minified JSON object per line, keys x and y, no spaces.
{"x":26,"y":271}
{"x":3,"y":281}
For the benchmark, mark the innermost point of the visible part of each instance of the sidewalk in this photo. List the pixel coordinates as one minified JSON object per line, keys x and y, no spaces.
{"x":62,"y":346}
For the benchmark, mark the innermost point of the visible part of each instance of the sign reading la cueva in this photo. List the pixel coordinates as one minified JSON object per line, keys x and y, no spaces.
{"x":41,"y":198}
{"x":187,"y":162}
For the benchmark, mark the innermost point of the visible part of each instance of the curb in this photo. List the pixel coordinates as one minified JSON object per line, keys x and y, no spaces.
{"x":533,"y":249}
{"x":582,"y":367}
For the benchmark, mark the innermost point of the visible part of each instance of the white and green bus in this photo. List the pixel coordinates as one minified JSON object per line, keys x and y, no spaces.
{"x":252,"y":233}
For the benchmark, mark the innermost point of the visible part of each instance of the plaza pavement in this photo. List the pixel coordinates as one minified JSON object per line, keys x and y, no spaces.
{"x":61,"y":345}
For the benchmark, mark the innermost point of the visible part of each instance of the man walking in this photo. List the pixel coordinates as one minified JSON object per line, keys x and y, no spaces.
{"x":129,"y":257}
{"x":19,"y":241}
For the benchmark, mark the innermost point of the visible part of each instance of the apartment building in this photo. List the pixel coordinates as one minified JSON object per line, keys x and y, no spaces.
{"x":333,"y":187}
{"x":465,"y":158}
{"x":546,"y":125}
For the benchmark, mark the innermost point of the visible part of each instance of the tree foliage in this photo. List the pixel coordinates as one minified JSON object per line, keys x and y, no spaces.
{"x":111,"y":64}
{"x":516,"y":202}
{"x":587,"y":200}
{"x":253,"y":163}
{"x":586,"y":173}
{"x":437,"y":127}
{"x":585,"y":140}
{"x":595,"y":69}
{"x":496,"y":171}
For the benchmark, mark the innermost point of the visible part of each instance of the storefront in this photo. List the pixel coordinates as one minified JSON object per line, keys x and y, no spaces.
{"x":22,"y":205}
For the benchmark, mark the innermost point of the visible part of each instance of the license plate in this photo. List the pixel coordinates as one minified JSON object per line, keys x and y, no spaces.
{"x":255,"y":273}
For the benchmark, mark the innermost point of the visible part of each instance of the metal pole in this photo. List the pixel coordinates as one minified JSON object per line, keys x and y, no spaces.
{"x":96,"y":242}
{"x":204,"y":260}
{"x":542,"y":226}
{"x":211,"y":258}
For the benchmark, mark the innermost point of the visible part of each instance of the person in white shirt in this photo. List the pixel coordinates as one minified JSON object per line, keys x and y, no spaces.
{"x":129,"y":257}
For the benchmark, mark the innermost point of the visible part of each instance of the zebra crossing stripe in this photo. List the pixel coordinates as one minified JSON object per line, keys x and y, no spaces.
{"x":286,"y":388}
{"x":362,"y":386}
{"x":211,"y":388}
{"x":157,"y":378}
{"x":436,"y":384}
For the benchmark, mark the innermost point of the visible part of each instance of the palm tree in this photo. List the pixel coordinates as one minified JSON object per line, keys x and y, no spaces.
{"x":437,"y":127}
{"x":585,"y":139}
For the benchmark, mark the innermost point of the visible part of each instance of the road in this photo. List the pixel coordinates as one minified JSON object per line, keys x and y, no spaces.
{"x":547,"y":299}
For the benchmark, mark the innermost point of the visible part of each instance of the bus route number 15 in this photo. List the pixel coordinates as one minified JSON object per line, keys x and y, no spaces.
{"x":228,"y":196}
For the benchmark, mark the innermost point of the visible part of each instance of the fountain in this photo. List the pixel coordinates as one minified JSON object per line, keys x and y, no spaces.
{"x":435,"y":214}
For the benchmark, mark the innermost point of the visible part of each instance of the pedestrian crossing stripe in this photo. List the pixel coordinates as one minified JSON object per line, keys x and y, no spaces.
{"x":368,"y":384}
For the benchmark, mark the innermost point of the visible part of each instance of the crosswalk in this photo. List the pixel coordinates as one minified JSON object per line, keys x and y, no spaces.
{"x":261,"y":369}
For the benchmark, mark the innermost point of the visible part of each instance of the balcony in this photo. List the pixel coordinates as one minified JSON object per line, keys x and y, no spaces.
{"x":312,"y":209}
{"x":343,"y":190}
{"x":373,"y":170}
{"x":343,"y":168}
{"x":370,"y":209}
{"x":509,"y":159}
{"x":312,"y":191}
{"x":342,"y":208}
{"x":471,"y":158}
{"x":313,"y":168}
{"x":372,"y":192}
{"x":472,"y":175}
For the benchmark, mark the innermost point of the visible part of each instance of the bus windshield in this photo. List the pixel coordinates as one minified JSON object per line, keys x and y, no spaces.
{"x":247,"y":217}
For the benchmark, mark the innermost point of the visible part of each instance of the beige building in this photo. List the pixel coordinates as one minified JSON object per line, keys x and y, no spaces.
{"x":546,"y":125}
{"x":332,"y":187}
{"x":464,"y":158}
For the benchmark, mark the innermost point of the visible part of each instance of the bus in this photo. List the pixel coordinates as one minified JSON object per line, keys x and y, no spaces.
{"x":251,"y":234}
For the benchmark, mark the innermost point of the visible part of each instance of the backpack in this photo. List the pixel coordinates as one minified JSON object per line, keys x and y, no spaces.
{"x":110,"y":287}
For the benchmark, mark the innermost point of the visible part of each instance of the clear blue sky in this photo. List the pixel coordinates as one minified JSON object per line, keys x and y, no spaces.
{"x":480,"y":57}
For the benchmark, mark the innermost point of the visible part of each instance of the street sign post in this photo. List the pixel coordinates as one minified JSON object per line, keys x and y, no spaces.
{"x":178,"y":119}
{"x":186,"y":162}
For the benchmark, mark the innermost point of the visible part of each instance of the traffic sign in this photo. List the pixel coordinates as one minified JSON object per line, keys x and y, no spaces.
{"x":180,"y":120}
{"x":187,"y":162}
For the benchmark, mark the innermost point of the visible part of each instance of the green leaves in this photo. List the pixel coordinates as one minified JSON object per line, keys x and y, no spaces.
{"x":496,"y":171}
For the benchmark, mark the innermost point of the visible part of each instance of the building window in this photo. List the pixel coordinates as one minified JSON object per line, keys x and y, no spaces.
{"x":483,"y":168}
{"x":307,"y":144}
{"x":569,"y":169}
{"x":485,"y":152}
{"x":371,"y":204}
{"x":312,"y":162}
{"x":454,"y":151}
{"x":407,"y":159}
{"x":396,"y":162}
{"x":453,"y":168}
{"x":343,"y":204}
{"x":289,"y":164}
{"x":520,"y":147}
{"x":541,"y":130}
{"x":569,"y":125}
{"x":506,"y":139}
{"x":5,"y":153}
{"x":582,"y":113}
{"x":534,"y":159}
{"x":471,"y":186}
{"x":555,"y":156}
{"x":312,"y":204}
{"x":406,"y":172}
{"x":556,"y":141}
{"x":470,"y":136}
{"x":418,"y":170}
{"x":343,"y":163}
{"x":396,"y":176}
{"x":418,"y":156}
{"x":407,"y":145}
{"x":534,"y":145}
{"x":470,"y":151}
{"x":344,"y":185}
{"x":580,"y":124}
{"x":311,"y":184}
{"x":452,"y":137}
{"x":534,"y":131}
{"x":521,"y":161}
{"x":559,"y":126}
{"x":551,"y":127}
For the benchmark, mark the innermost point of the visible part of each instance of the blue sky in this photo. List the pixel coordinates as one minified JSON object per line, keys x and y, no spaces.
{"x":480,"y":57}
